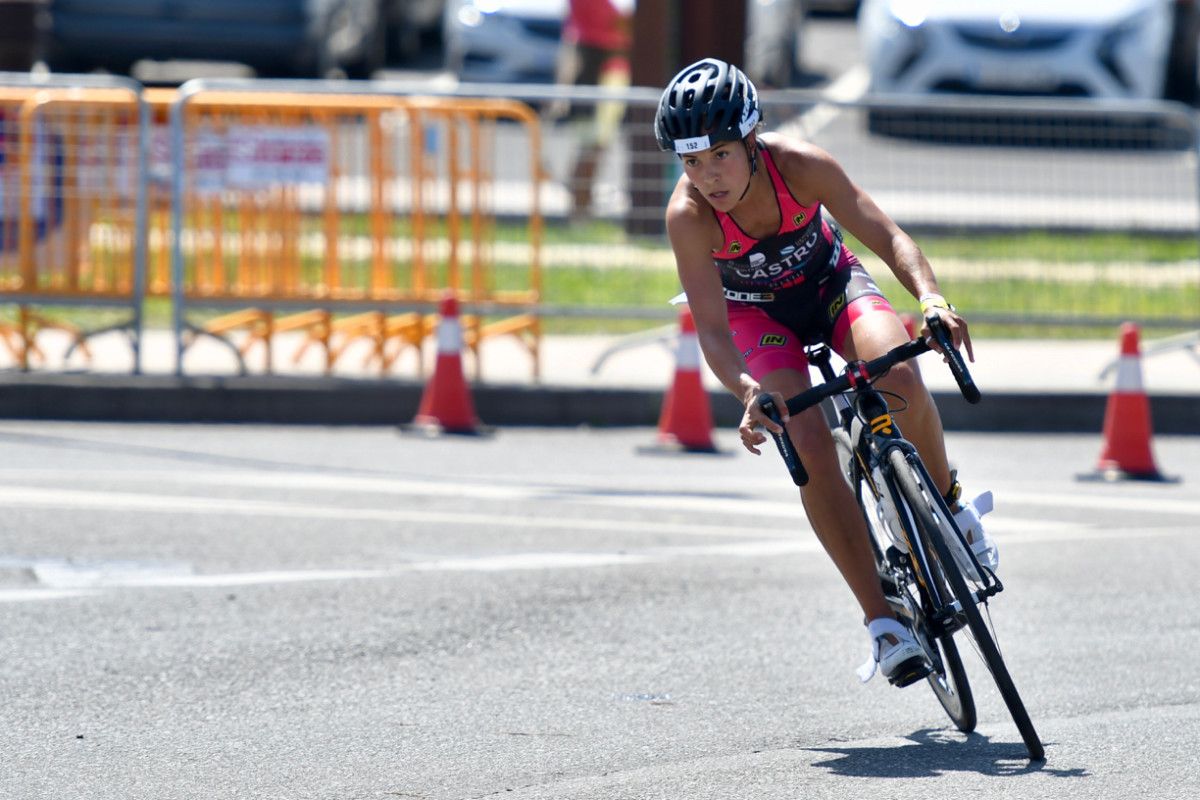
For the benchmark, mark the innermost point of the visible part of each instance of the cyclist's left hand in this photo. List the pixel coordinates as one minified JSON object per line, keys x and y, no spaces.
{"x":956,"y":326}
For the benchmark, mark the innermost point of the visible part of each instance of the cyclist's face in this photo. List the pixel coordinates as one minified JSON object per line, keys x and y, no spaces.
{"x":720,"y":173}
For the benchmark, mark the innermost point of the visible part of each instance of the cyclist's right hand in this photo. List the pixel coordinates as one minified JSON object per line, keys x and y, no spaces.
{"x":754,"y":420}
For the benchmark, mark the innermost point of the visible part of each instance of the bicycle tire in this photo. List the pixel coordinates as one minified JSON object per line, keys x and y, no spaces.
{"x":909,"y":475}
{"x":948,"y":680}
{"x":951,"y":687}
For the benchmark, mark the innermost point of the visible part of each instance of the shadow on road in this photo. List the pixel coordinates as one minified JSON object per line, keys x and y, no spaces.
{"x":938,"y":752}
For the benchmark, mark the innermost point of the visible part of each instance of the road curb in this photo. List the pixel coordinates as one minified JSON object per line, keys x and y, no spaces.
{"x":343,"y":401}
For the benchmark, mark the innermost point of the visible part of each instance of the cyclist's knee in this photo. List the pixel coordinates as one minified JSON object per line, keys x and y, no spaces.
{"x":810,"y":434}
{"x":905,"y":381}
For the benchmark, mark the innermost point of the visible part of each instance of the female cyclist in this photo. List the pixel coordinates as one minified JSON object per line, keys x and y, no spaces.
{"x":765,"y":273}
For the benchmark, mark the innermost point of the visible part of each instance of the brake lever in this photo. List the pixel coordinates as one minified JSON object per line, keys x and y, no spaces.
{"x":784,"y":442}
{"x":958,"y":367}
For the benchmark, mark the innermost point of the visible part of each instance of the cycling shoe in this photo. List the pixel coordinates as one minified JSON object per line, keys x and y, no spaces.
{"x":967,"y":517}
{"x":902,"y":661}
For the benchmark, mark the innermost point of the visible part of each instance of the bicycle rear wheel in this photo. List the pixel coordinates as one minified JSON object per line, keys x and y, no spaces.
{"x":929,"y":513}
{"x":948,"y":679}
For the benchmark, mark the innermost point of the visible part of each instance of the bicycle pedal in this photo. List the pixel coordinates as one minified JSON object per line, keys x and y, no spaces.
{"x":911,"y":671}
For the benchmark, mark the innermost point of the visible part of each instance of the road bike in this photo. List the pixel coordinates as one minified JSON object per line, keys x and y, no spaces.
{"x":929,"y":574}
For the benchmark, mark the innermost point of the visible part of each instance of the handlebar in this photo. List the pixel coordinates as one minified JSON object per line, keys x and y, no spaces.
{"x":861,"y":373}
{"x":787,"y":451}
{"x":954,"y":359}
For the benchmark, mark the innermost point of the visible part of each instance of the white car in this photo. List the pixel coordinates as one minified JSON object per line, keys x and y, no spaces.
{"x":503,"y":41}
{"x":1083,"y":48}
{"x":516,"y":41}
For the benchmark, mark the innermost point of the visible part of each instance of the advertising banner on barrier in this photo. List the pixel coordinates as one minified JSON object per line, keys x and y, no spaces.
{"x":245,"y":157}
{"x":265,"y":156}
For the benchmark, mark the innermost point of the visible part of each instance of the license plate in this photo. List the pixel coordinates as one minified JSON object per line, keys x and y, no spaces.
{"x":1015,"y":76}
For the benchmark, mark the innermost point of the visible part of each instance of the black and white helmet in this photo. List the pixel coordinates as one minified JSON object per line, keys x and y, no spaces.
{"x":706,"y":103}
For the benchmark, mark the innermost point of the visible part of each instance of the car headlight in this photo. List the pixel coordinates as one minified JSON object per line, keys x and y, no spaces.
{"x":897,"y":29}
{"x":912,"y":13}
{"x":473,"y":12}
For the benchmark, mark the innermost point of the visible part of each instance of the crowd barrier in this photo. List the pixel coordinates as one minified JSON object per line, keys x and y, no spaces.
{"x":72,"y":211}
{"x":339,"y":213}
{"x":348,"y":215}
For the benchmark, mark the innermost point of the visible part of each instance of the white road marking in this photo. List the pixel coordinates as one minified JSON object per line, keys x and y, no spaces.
{"x":35,"y":595}
{"x":697,"y":506}
{"x":61,"y":582}
{"x":58,"y":499}
{"x":649,"y":493}
{"x":60,"y":579}
{"x":1091,"y":501}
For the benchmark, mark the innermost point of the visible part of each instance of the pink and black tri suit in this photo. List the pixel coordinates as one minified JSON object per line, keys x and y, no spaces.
{"x":797,"y":287}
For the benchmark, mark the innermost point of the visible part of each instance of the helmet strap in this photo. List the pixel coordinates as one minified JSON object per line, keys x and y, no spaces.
{"x":752,"y":155}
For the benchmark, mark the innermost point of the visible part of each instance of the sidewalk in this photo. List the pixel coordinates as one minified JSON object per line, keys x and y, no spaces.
{"x":600,"y":380}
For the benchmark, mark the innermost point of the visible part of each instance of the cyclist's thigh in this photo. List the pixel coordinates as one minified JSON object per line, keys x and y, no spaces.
{"x":861,"y":323}
{"x":774,"y":354}
{"x":766,"y":343}
{"x":809,"y":430}
{"x":872,"y":335}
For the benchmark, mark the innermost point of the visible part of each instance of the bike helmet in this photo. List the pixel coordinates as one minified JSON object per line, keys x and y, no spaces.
{"x":706,"y":103}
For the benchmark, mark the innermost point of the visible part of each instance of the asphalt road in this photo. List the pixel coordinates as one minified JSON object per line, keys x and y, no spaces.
{"x":236,"y":611}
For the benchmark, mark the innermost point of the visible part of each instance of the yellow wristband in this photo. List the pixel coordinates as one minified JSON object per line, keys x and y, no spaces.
{"x":929,"y":301}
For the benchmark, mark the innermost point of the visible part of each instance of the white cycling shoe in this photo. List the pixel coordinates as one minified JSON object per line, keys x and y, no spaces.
{"x":983,"y":546}
{"x":902,"y":661}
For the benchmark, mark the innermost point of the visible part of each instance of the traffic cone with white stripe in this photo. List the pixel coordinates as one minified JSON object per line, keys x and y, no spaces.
{"x":686,"y":421}
{"x":1127,"y":427}
{"x":446,"y":405}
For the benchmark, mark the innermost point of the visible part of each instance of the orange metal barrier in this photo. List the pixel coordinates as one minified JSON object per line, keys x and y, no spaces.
{"x":71,"y":227}
{"x":348,"y":216}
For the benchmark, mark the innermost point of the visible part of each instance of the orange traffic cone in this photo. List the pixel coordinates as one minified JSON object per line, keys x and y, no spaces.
{"x":1127,"y":427}
{"x":446,"y":405}
{"x":686,"y":420}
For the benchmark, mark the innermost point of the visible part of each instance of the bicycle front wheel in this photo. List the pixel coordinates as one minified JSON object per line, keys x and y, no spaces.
{"x":948,"y":680}
{"x":929,"y":513}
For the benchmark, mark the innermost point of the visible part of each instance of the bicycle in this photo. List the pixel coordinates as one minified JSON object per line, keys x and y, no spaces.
{"x":917,"y":544}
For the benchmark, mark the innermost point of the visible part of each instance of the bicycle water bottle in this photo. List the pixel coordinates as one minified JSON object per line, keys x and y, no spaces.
{"x":886,"y":513}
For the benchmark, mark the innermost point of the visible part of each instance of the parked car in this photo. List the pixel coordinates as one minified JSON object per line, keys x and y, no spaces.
{"x":516,"y":41}
{"x":1084,"y":48}
{"x":844,"y":7}
{"x":275,"y":37}
{"x":505,"y":41}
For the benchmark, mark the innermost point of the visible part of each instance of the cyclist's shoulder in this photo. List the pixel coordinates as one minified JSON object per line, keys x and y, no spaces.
{"x":688,"y":208}
{"x":796,"y":158}
{"x":692,"y":225}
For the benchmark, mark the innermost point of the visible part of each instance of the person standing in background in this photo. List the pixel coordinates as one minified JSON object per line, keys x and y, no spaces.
{"x":595,"y":52}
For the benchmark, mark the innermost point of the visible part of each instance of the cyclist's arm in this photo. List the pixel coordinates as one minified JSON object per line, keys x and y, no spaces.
{"x":855,"y":211}
{"x":692,"y":234}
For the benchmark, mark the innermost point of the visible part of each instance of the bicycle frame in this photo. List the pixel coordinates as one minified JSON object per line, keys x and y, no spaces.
{"x":927,"y":582}
{"x":873,"y":433}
